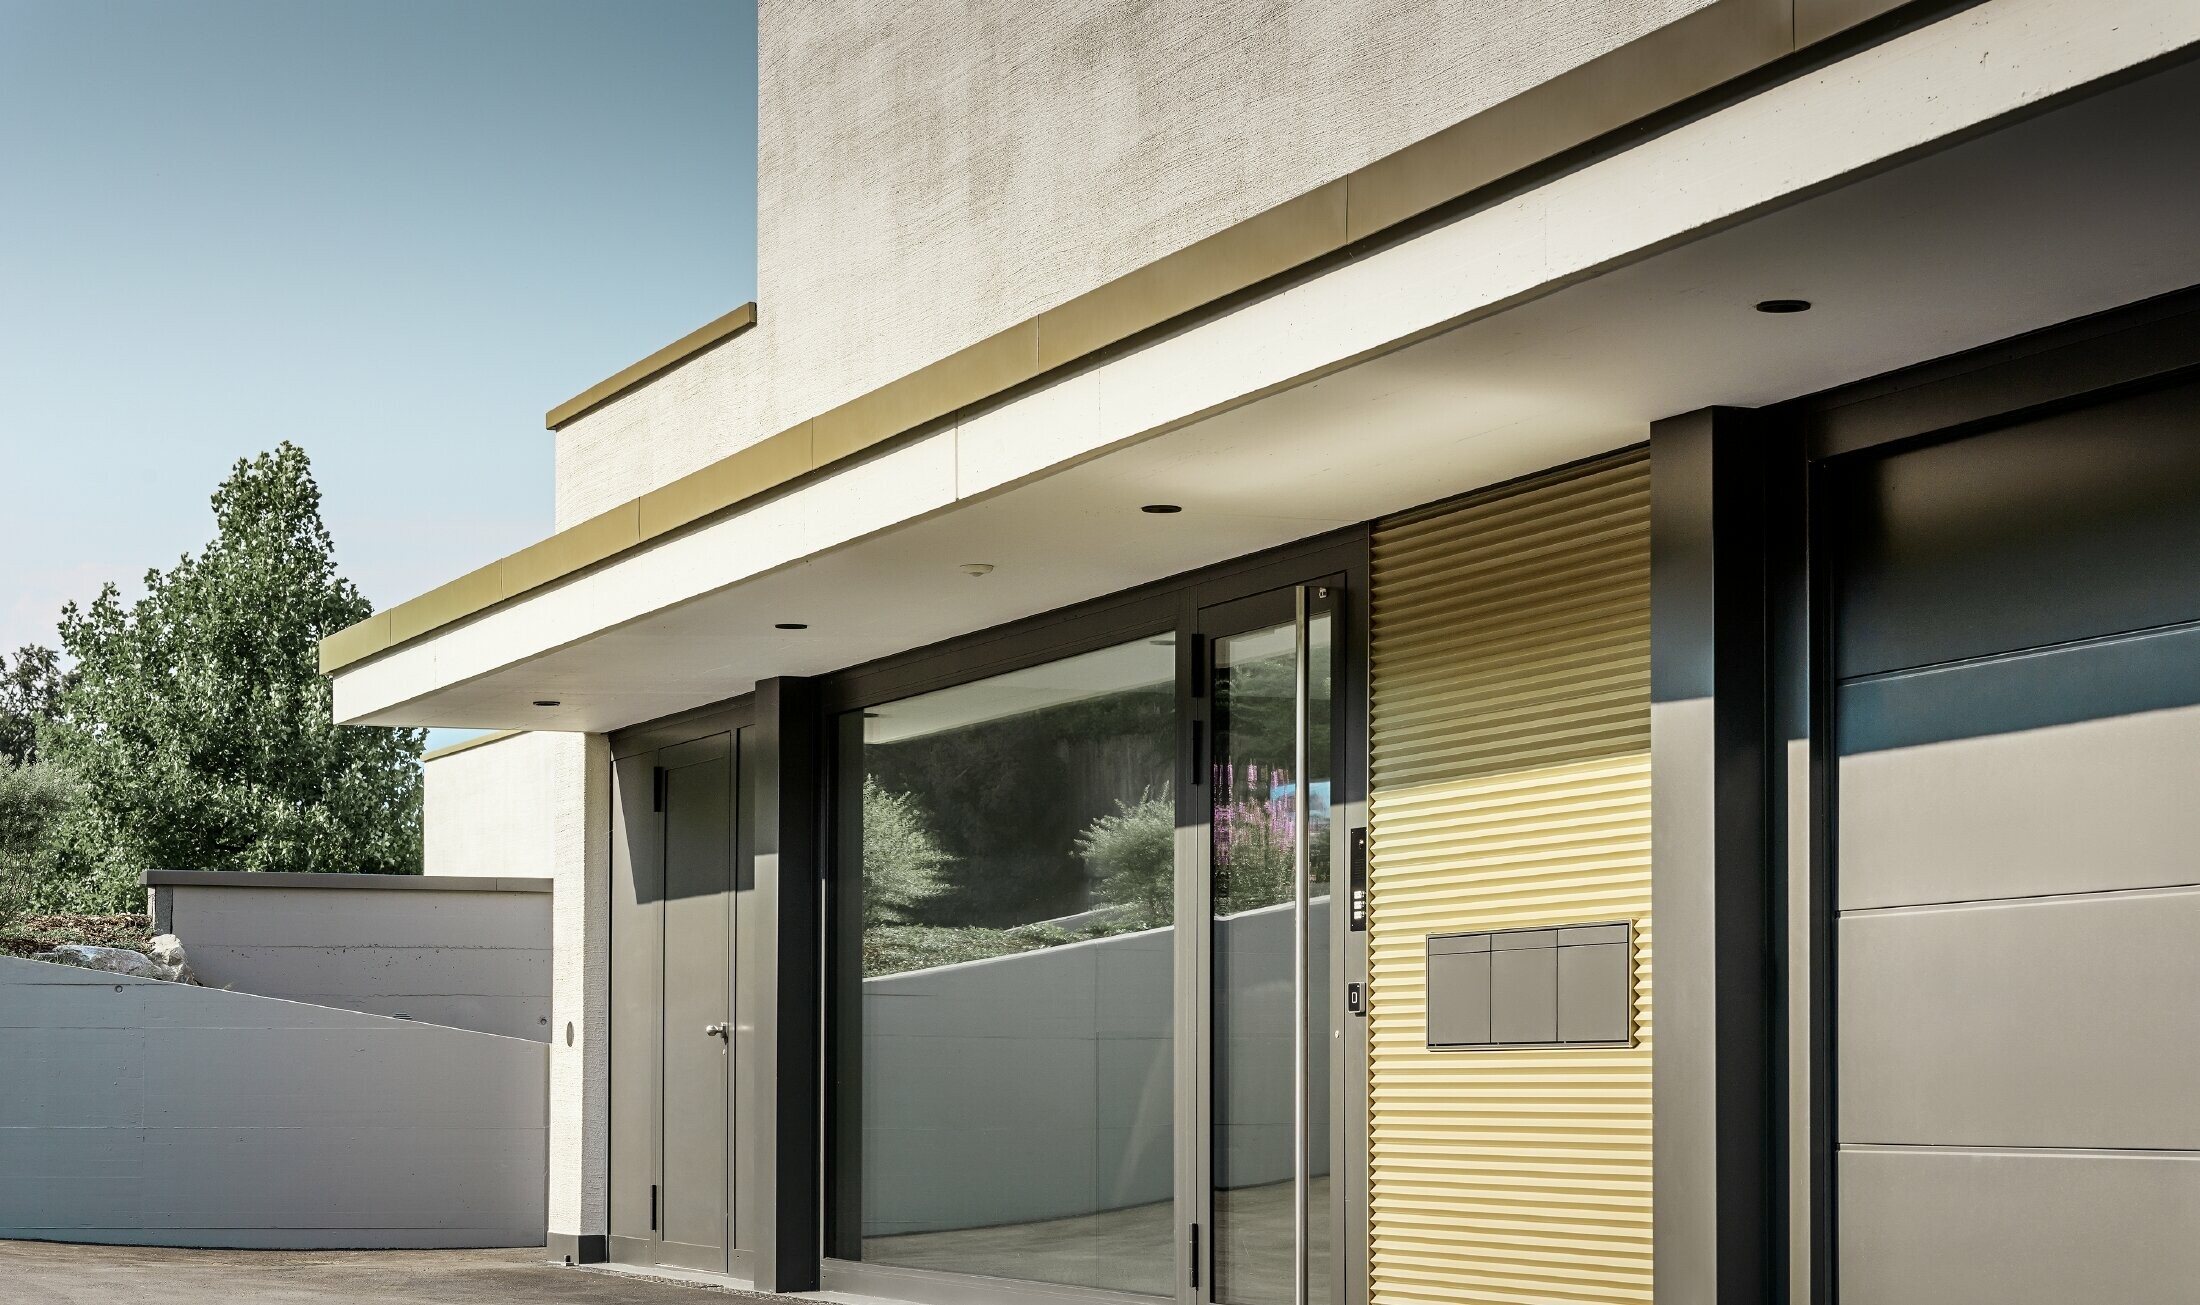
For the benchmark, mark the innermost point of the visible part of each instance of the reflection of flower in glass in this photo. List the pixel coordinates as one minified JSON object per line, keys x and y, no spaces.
{"x":1254,"y":825}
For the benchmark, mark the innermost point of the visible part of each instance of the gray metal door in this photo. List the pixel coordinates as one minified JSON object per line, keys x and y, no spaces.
{"x":694,"y":1197}
{"x":2017,"y":880}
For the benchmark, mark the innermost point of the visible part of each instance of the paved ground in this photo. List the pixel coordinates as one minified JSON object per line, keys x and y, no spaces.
{"x":50,"y":1273}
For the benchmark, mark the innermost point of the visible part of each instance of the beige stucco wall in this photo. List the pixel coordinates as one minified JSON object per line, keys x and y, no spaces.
{"x":929,"y":174}
{"x":539,"y":804}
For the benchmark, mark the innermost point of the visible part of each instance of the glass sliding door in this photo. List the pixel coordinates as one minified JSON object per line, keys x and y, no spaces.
{"x":1013,"y":1031}
{"x":1269,"y":695}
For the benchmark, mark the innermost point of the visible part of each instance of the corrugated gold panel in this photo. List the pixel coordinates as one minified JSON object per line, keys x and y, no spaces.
{"x":1510,"y":749}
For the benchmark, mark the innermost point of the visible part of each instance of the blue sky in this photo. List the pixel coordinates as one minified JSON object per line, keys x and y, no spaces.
{"x":392,"y":231}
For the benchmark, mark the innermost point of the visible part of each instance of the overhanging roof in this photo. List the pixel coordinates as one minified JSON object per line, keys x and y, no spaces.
{"x":1539,"y":329}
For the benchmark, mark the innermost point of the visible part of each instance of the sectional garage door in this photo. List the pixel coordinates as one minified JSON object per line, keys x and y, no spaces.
{"x":2017,"y":1047}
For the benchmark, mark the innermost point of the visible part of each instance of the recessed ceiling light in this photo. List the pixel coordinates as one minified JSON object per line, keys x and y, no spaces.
{"x":976,"y":569}
{"x":790,"y":625}
{"x":1783,"y":306}
{"x":1161,"y":509}
{"x":547,"y":702}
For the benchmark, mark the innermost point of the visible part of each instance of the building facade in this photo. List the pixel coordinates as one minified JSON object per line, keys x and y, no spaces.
{"x":1383,"y":653}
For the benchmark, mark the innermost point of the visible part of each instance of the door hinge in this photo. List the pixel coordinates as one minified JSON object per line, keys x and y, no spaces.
{"x":653,"y":1188}
{"x":1195,"y":1255}
{"x":656,"y":788}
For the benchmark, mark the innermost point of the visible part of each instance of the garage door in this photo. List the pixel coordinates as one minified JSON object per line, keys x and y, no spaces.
{"x":2017,"y":1054}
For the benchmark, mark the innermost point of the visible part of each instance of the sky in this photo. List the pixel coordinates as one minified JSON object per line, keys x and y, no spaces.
{"x":394,"y":232}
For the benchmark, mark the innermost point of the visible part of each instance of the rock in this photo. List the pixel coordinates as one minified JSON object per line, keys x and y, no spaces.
{"x":112,"y":960}
{"x":167,"y":954}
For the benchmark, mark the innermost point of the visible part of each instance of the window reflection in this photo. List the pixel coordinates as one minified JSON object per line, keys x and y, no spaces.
{"x":1015,"y":838}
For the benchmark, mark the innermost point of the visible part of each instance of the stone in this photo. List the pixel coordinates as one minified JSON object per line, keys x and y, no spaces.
{"x":168,"y":956}
{"x":112,"y":960}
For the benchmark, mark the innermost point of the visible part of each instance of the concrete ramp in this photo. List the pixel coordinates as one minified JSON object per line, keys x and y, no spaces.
{"x":145,"y":1113}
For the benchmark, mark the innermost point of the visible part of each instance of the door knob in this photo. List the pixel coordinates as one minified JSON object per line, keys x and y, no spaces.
{"x":714,"y":1030}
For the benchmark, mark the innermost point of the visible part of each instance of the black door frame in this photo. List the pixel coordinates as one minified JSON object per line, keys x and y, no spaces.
{"x":1164,"y":607}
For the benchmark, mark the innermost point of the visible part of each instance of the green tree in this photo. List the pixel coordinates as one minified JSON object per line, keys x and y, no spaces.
{"x":1133,"y":851}
{"x":901,"y":857}
{"x":29,"y":692}
{"x":197,"y":725}
{"x":33,"y":798}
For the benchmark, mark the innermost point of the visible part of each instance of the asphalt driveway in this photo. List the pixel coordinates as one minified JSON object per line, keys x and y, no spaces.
{"x":53,"y":1273}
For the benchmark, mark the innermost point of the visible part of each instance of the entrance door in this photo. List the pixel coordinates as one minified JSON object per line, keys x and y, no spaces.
{"x":697,"y":1039}
{"x":1264,"y":707}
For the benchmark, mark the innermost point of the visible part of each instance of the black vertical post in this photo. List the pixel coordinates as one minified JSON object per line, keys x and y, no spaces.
{"x":789,"y":880}
{"x":1715,"y":1199}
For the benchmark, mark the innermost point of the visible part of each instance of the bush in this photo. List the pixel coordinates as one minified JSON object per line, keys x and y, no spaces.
{"x":1133,"y":851}
{"x":902,"y":858}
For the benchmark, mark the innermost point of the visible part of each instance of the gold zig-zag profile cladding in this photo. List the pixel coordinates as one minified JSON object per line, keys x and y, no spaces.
{"x":1509,"y":748}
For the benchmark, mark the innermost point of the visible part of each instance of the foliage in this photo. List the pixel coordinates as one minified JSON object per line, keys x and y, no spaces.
{"x":198,"y":723}
{"x":32,"y":934}
{"x":898,"y":948}
{"x":1133,"y":851}
{"x":33,"y":799}
{"x":29,"y":691}
{"x":901,"y":858}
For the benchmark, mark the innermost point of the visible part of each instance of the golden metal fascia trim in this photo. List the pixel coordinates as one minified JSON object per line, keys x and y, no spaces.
{"x":1721,"y":41}
{"x":664,"y":360}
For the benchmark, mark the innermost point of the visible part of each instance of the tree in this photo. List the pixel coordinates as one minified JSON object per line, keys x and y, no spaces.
{"x":197,"y":724}
{"x":32,"y":800}
{"x":901,"y":858}
{"x":29,"y":691}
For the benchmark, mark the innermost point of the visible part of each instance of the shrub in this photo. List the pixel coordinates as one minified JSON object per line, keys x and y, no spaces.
{"x":33,"y":799}
{"x":1133,"y":851}
{"x":902,"y":858}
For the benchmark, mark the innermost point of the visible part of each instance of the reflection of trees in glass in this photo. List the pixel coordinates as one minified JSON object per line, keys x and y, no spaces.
{"x":1253,"y":846}
{"x":1007,"y":798}
{"x":901,"y":858}
{"x":1133,"y":851}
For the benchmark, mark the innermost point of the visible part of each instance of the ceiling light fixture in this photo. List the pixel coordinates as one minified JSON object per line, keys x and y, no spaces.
{"x":790,"y":625}
{"x":547,"y":702}
{"x":1161,"y":509}
{"x":1783,"y":305}
{"x":977,"y":569}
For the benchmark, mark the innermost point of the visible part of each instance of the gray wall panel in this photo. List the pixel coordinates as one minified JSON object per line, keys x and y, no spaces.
{"x":2058,"y":1022}
{"x":1952,"y":1227}
{"x":2084,"y":807}
{"x":159,"y":1114}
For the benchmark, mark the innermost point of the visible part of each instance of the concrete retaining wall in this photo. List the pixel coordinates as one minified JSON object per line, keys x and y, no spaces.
{"x":147,"y":1113}
{"x":472,"y":953}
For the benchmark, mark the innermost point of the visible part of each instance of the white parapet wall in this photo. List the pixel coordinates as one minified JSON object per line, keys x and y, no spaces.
{"x":473,"y":953}
{"x":145,"y":1113}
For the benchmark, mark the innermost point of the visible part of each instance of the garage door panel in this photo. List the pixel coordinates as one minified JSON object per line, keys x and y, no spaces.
{"x":1957,"y":1227}
{"x":1949,"y":773}
{"x":2068,"y":527}
{"x":2064,"y":1022}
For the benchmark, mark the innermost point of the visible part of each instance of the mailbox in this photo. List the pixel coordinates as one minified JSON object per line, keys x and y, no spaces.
{"x":1566,"y":987}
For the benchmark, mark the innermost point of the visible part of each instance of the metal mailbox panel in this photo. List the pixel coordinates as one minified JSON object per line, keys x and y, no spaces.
{"x":1568,"y":986}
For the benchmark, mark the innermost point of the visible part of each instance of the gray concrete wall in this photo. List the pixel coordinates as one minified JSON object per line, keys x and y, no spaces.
{"x":147,"y":1113}
{"x":930,"y":174}
{"x":1038,"y":1086}
{"x":469,"y":953}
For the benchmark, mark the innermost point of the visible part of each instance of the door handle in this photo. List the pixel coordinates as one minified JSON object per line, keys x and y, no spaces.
{"x":715,"y":1031}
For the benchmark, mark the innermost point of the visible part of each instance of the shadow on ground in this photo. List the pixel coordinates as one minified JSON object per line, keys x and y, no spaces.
{"x":54,"y":1273}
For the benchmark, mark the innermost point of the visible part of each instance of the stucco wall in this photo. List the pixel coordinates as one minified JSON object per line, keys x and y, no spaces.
{"x":929,"y":174}
{"x":148,"y":1113}
{"x":406,"y":946}
{"x":539,"y":803}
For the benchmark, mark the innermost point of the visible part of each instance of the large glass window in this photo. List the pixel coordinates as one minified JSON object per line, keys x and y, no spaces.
{"x":1007,"y":861}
